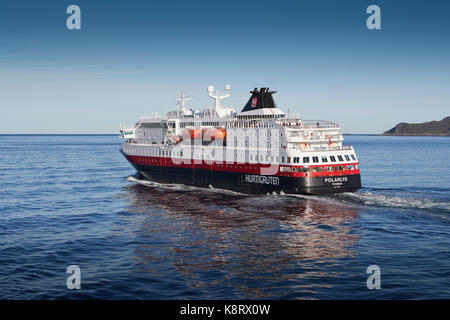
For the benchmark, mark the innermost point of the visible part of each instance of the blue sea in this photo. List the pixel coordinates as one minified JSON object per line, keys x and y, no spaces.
{"x":73,"y":200}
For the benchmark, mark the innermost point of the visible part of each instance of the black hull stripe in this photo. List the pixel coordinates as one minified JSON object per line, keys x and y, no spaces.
{"x":250,"y":183}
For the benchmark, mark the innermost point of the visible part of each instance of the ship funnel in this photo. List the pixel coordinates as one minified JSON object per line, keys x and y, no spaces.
{"x":260,"y":99}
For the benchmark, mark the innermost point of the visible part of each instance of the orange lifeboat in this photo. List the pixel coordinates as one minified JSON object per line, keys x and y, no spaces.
{"x":192,"y":133}
{"x":196,"y":133}
{"x":214,"y":134}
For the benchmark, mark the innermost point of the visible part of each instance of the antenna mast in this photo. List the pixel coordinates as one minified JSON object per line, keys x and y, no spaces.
{"x":215,"y":95}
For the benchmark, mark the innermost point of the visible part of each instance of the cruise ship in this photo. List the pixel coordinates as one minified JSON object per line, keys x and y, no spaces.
{"x":260,"y":149}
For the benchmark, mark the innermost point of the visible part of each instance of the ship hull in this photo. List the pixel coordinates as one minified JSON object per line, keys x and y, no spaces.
{"x":249,"y":183}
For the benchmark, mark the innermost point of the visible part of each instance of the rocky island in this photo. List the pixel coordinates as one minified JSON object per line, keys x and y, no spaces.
{"x":431,"y":128}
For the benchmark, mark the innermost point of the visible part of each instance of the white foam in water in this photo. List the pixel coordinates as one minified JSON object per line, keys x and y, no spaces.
{"x":364,"y":198}
{"x":180,"y":187}
{"x":381,"y":200}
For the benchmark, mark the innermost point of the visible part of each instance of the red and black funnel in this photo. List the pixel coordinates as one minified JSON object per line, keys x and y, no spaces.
{"x":260,"y":99}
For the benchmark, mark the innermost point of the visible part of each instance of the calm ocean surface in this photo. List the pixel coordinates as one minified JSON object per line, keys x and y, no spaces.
{"x":66,"y":200}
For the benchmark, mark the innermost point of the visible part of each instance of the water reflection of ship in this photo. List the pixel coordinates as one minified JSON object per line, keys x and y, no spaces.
{"x":260,"y":247}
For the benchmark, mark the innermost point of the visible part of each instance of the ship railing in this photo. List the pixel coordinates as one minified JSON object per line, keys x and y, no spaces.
{"x":328,"y":148}
{"x":307,"y":124}
{"x":326,"y":137}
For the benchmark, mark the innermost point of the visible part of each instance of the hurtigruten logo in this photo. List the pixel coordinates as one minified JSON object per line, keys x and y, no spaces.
{"x":254,"y":102}
{"x":252,"y":178}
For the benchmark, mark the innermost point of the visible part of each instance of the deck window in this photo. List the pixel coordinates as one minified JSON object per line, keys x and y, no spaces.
{"x":340,"y":158}
{"x":305,"y":159}
{"x":315,"y":159}
{"x":324,"y":159}
{"x":332,"y":158}
{"x":353,"y":157}
{"x":347,"y":157}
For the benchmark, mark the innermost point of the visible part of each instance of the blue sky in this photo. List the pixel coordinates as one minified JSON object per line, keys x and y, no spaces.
{"x":131,"y":57}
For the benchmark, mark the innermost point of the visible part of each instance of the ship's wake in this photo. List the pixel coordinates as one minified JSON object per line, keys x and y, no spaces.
{"x":375,"y":199}
{"x":363,"y":197}
{"x":177,"y":187}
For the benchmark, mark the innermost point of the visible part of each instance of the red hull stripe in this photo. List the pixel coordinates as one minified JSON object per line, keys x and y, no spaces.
{"x":250,"y":168}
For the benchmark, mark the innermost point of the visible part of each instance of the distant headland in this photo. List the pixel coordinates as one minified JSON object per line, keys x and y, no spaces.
{"x":431,"y":128}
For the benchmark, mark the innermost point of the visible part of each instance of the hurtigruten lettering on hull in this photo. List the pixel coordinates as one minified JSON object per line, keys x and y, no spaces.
{"x":260,"y":149}
{"x":251,"y":178}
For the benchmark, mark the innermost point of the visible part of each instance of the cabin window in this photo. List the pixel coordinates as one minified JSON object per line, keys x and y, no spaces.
{"x":316,"y":169}
{"x":347,"y":157}
{"x":296,"y":159}
{"x":339,"y":168}
{"x":324,"y":159}
{"x":288,"y":159}
{"x":353,"y":157}
{"x":350,"y":167}
{"x":282,"y":159}
{"x":315,"y":159}
{"x":285,"y":169}
{"x":332,"y":158}
{"x":301,"y":169}
{"x":340,"y":158}
{"x":305,"y":159}
{"x":329,"y":169}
